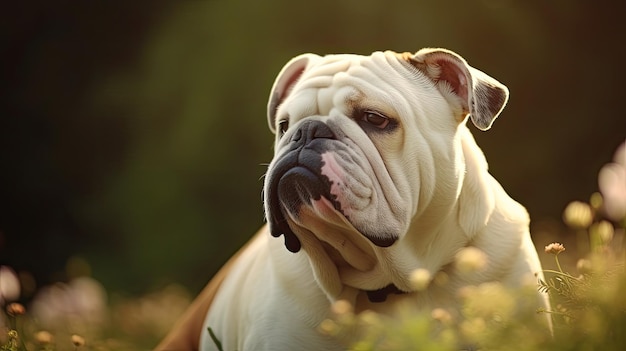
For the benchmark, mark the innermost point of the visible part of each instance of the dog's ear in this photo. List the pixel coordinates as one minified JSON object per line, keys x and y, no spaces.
{"x":479,"y":95}
{"x":286,"y":79}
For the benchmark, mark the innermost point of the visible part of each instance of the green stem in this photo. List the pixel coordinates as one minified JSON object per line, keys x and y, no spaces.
{"x":556,"y":258}
{"x":559,"y":273}
{"x":216,"y":341}
{"x":557,"y":313}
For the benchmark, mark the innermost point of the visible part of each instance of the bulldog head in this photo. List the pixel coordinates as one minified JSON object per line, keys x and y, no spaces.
{"x":368,"y":148}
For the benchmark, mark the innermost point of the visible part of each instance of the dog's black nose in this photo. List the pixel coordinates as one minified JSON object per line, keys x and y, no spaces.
{"x":312,"y":129}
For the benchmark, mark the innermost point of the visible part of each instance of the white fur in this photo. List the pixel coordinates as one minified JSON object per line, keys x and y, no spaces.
{"x":427,"y":181}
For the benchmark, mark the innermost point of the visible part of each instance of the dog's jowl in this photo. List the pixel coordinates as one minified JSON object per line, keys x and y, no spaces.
{"x":375,"y":176}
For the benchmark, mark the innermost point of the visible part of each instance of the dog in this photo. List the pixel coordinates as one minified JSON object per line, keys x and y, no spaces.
{"x":375,"y":175}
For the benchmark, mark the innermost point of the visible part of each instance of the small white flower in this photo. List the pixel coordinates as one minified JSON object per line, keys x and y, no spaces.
{"x":77,"y":340}
{"x":420,"y":279}
{"x":370,"y":318}
{"x":578,"y":214}
{"x":470,"y":259}
{"x":584,"y":266}
{"x":441,"y":315}
{"x":44,"y":337}
{"x":612,"y":183}
{"x":9,"y":285}
{"x":603,"y":230}
{"x":328,"y":327}
{"x":341,"y":307}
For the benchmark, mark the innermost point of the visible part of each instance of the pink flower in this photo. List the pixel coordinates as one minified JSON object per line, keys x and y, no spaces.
{"x":554,"y":248}
{"x":612,"y":183}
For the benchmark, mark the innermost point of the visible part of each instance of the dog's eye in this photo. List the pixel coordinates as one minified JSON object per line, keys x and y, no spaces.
{"x":376,"y":119}
{"x":283,"y":125}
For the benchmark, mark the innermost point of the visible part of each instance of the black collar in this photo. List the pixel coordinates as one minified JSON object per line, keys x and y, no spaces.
{"x":380,"y":295}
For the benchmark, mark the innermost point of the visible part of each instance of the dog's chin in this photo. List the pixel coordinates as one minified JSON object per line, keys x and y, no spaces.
{"x":344,"y":244}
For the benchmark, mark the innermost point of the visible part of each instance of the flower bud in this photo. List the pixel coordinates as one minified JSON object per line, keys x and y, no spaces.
{"x":43,"y":337}
{"x":78,"y":340}
{"x":15,"y":309}
{"x":584,"y":266}
{"x":578,"y":215}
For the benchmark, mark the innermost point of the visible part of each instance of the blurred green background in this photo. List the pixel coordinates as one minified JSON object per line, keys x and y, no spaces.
{"x":134,"y":135}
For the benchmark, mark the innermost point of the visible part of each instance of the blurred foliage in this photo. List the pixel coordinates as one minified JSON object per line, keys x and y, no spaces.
{"x":71,"y":317}
{"x":134,"y":135}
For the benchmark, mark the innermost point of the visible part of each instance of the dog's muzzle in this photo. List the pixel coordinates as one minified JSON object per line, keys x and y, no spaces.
{"x":295,"y":179}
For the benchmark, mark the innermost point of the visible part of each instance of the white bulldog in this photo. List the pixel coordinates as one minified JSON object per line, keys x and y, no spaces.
{"x":375,"y":175}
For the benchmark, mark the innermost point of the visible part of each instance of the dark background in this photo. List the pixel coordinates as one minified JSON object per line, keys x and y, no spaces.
{"x":134,"y":136}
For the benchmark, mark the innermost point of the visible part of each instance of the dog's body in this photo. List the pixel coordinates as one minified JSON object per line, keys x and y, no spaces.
{"x":375,"y":175}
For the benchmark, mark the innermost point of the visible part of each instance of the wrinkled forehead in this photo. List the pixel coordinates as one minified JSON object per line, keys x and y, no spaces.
{"x":334,"y":80}
{"x":326,"y":70}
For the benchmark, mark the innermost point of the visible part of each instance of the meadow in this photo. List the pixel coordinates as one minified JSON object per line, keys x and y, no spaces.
{"x":588,"y":304}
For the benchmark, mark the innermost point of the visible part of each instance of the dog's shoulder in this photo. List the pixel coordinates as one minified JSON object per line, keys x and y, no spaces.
{"x":185,"y":335}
